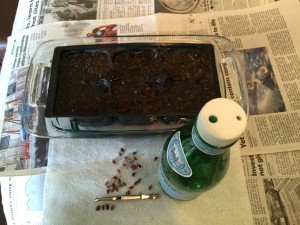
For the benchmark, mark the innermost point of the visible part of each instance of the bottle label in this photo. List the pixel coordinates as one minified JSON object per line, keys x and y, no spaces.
{"x":176,"y":157}
{"x":171,"y":190}
{"x":203,"y":146}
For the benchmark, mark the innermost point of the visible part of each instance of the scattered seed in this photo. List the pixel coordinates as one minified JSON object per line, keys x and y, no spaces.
{"x":139,"y":165}
{"x":122,"y":150}
{"x":114,"y":161}
{"x":133,"y":174}
{"x":119,"y":171}
{"x":155,"y":158}
{"x":107,"y":191}
{"x":107,"y":206}
{"x":134,"y":153}
{"x":103,"y":207}
{"x":128,"y":192}
{"x":135,"y":158}
{"x":98,"y":207}
{"x":131,"y":187}
{"x":150,"y":188}
{"x":112,"y":207}
{"x":137,"y":182}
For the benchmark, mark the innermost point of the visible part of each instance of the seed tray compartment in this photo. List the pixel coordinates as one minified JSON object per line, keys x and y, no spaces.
{"x":127,"y":85}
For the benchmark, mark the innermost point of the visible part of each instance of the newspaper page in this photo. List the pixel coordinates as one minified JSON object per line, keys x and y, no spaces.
{"x":273,"y":182}
{"x":35,"y":12}
{"x":22,"y":198}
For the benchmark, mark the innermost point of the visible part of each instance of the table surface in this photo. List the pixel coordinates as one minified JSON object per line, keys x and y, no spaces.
{"x":7,"y":15}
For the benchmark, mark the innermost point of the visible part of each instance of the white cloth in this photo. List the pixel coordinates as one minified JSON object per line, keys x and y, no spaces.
{"x":79,"y":168}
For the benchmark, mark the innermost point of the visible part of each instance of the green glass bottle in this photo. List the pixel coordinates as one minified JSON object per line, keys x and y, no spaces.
{"x":196,"y":157}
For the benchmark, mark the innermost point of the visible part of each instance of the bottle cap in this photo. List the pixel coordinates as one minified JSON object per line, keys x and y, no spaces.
{"x":221,"y":122}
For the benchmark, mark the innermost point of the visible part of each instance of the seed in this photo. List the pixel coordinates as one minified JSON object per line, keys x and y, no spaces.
{"x":137,"y":182}
{"x":98,"y":207}
{"x":107,"y":191}
{"x":120,"y":153}
{"x":150,"y":187}
{"x":119,"y":171}
{"x":122,"y":150}
{"x":114,"y":161}
{"x":155,"y":158}
{"x":134,"y":153}
{"x":135,"y":158}
{"x":107,"y":206}
{"x":124,"y":183}
{"x":112,"y":207}
{"x":115,"y":177}
{"x":131,"y":187}
{"x":128,"y":192}
{"x":103,"y":207}
{"x":133,"y":174}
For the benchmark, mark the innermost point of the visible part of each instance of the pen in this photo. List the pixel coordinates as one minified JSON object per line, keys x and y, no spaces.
{"x":128,"y":197}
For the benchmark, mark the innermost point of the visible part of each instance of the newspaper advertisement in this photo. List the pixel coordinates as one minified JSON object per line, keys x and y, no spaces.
{"x":22,"y":198}
{"x":48,"y":11}
{"x":273,"y":182}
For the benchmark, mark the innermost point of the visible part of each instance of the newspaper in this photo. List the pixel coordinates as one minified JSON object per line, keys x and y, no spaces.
{"x":268,"y":43}
{"x":48,"y":11}
{"x":273,"y":182}
{"x":23,"y":199}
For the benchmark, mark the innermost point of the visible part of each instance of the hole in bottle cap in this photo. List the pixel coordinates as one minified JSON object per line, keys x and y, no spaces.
{"x":213,"y":119}
{"x":239,"y":118}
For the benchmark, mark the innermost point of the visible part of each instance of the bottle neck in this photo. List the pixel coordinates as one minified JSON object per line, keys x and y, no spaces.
{"x":204,"y":146}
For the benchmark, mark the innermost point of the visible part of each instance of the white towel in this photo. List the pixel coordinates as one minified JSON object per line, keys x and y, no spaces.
{"x":79,"y":168}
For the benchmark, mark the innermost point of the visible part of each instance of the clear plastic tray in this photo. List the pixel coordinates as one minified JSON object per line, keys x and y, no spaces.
{"x":43,"y":116}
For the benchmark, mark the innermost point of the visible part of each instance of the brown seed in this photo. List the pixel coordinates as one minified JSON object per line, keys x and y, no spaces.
{"x":155,"y":158}
{"x":128,"y":192}
{"x":112,"y":207}
{"x":119,"y":171}
{"x":131,"y":187}
{"x":120,"y":153}
{"x":107,"y":206}
{"x":139,"y":166}
{"x":98,"y":207}
{"x":134,"y":153}
{"x":107,"y":191}
{"x":114,"y":161}
{"x":133,"y":174}
{"x":135,"y":158}
{"x":124,"y":183}
{"x":150,"y":187}
{"x":122,"y":150}
{"x":103,"y":207}
{"x":137,"y":182}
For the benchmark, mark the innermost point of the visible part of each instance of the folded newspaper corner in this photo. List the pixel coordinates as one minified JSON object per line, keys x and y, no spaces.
{"x":266,"y":41}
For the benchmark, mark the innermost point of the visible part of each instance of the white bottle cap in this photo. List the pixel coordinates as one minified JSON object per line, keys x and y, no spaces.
{"x":221,"y":122}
